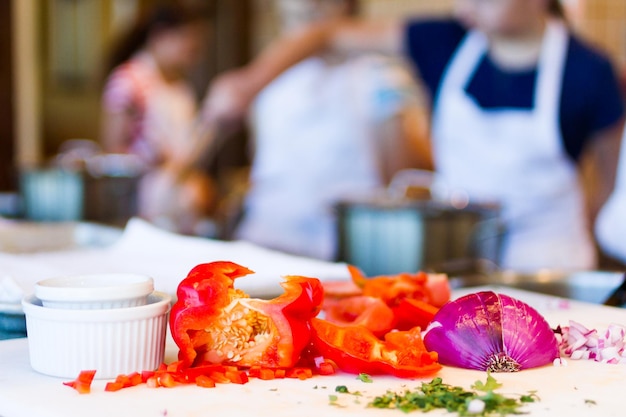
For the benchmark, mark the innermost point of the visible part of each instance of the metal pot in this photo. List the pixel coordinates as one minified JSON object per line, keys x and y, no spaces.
{"x":390,"y":233}
{"x":590,"y":286}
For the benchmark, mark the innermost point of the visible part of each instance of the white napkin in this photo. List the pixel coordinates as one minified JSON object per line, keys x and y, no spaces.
{"x":10,"y":291}
{"x":167,"y":258}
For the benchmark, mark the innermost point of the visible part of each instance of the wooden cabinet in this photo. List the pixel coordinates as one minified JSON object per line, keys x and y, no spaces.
{"x":603,"y":22}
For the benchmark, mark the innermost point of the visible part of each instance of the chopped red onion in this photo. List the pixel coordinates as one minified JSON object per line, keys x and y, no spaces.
{"x":581,"y":343}
{"x":489,"y":331}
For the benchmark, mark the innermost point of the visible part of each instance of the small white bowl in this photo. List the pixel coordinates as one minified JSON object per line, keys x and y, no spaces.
{"x":95,"y":291}
{"x":63,"y":342}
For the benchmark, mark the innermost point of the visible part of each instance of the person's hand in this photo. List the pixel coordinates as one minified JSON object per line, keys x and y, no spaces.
{"x":227,"y":99}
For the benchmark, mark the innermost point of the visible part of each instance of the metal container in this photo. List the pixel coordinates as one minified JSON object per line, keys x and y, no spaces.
{"x":589,"y":286}
{"x":388,"y":236}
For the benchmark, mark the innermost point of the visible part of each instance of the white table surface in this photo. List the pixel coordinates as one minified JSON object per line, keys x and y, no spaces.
{"x":564,"y":391}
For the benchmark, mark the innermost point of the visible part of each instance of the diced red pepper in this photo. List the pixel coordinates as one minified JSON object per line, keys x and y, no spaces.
{"x":174,"y":366}
{"x":356,"y":350}
{"x":299,"y":373}
{"x":145,"y":375}
{"x":213,"y":322}
{"x":82,"y":383}
{"x":326,"y":368}
{"x":153,"y":382}
{"x":262,"y":373}
{"x":237,"y":377}
{"x":125,"y":381}
{"x":113,"y":386}
{"x":205,"y":381}
{"x":219,"y":377}
{"x":134,"y":379}
{"x":165,"y":379}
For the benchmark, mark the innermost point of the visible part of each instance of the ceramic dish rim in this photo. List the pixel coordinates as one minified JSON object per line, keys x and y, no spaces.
{"x":61,"y":288}
{"x":158,"y":303}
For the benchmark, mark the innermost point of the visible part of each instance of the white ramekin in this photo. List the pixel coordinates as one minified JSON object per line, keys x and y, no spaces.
{"x":63,"y":342}
{"x":95,"y":291}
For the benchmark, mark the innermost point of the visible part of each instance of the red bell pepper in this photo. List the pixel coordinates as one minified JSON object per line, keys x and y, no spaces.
{"x":212,"y":322}
{"x":354,"y":349}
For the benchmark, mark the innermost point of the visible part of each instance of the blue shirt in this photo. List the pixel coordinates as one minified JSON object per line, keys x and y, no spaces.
{"x":590,"y":97}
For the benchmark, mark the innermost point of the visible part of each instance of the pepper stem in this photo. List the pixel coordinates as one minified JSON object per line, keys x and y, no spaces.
{"x":501,"y":362}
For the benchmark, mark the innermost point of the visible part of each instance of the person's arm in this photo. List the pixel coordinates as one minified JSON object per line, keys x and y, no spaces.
{"x":403,"y":143}
{"x":118,"y":103}
{"x":231,"y":93}
{"x":115,"y":131}
{"x":610,"y":224}
{"x":601,"y":160}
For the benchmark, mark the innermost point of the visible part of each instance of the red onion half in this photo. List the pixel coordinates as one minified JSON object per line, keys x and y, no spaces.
{"x":492,"y":332}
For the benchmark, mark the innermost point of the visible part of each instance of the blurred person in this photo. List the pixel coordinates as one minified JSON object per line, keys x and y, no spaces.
{"x":150,"y":110}
{"x":516,"y":100}
{"x":331,"y":126}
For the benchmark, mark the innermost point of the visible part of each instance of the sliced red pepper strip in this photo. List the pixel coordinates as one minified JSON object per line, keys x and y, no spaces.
{"x":356,"y":350}
{"x":212,"y":322}
{"x":431,"y":288}
{"x":341,"y":289}
{"x":369,"y":312}
{"x":410,"y":313}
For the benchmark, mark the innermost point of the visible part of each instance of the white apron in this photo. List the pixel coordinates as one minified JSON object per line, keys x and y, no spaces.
{"x":515,"y":157}
{"x":313,"y":147}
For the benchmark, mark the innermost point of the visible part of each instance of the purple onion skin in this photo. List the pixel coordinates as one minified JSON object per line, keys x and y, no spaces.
{"x":489,"y":331}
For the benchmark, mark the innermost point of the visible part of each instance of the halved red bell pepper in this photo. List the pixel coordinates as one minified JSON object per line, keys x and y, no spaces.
{"x":212,"y":322}
{"x":356,"y":350}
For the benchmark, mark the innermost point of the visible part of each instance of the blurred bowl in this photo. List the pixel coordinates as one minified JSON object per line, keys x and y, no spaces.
{"x":95,"y":291}
{"x":63,"y":342}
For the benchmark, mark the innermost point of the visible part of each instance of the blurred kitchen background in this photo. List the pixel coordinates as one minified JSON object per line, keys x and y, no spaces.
{"x":52,"y":56}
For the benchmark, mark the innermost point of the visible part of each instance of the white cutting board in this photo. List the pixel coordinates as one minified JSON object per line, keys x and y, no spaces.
{"x":582,"y":388}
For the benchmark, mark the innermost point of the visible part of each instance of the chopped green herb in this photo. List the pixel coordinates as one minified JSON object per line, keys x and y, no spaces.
{"x":592,"y":402}
{"x":333,"y":400}
{"x":365,"y":378}
{"x":437,"y":395}
{"x":342,"y":389}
